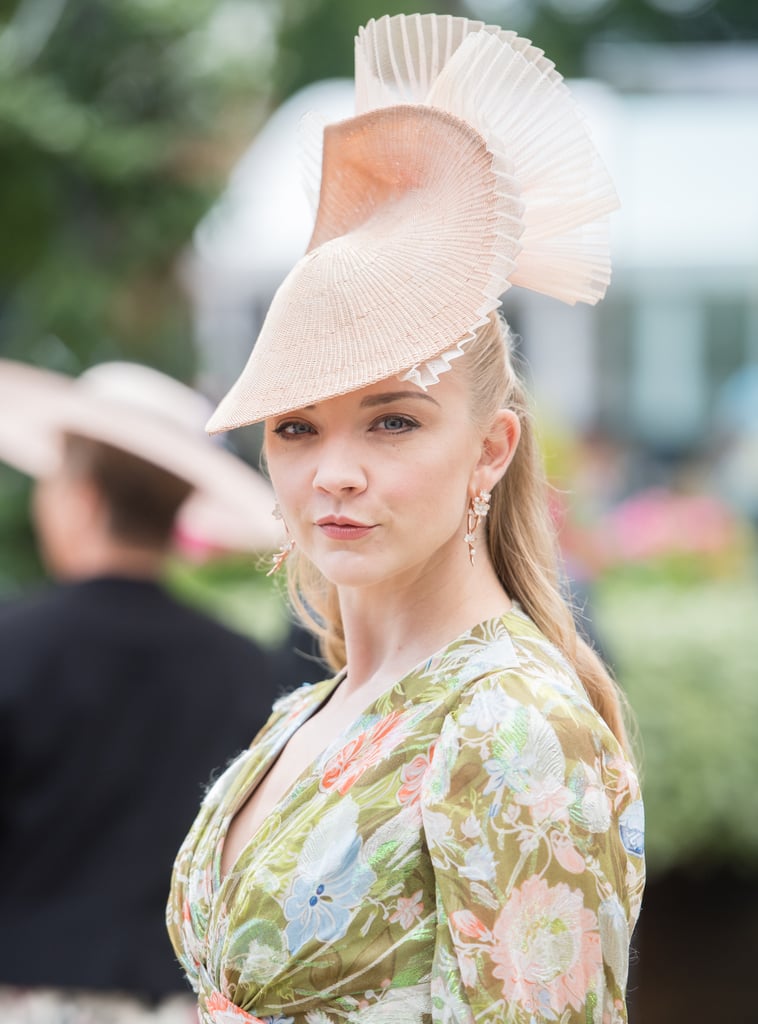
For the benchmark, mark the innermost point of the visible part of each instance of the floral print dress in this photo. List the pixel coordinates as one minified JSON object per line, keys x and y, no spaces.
{"x":471,"y":849}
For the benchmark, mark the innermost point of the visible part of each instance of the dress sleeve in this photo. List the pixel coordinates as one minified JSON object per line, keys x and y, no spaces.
{"x":532,"y":817}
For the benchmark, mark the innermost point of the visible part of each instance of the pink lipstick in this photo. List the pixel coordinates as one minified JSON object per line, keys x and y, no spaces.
{"x":342,"y":528}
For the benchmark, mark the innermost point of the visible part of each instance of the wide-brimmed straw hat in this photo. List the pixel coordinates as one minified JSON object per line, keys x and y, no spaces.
{"x":148,"y":414}
{"x":467,"y":169}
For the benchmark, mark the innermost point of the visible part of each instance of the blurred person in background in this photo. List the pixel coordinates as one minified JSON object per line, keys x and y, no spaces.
{"x":108,"y":687}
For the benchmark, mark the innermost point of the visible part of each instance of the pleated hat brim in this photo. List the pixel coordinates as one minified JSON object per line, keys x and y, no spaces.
{"x":399,"y":265}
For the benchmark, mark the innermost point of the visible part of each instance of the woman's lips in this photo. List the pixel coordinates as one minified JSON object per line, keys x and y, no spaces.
{"x":343,"y":529}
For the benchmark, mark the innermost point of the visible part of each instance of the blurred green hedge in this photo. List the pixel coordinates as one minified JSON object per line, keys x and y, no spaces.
{"x":687,"y":657}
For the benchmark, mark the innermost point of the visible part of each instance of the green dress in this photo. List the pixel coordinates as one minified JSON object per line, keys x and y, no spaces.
{"x":471,"y":849}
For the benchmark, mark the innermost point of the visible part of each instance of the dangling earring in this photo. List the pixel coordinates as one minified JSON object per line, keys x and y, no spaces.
{"x":287,"y":547}
{"x":477,"y":510}
{"x":281,"y":556}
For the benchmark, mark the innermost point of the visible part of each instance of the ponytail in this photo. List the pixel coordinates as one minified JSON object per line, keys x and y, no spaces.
{"x":521,"y":537}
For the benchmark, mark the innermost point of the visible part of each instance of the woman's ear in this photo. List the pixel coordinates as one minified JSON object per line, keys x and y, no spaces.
{"x":498,"y":448}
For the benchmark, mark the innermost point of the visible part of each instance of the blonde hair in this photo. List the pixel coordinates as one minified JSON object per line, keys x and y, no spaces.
{"x":521,"y":537}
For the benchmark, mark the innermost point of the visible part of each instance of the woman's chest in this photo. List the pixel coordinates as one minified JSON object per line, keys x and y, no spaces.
{"x":349,"y":827}
{"x":298,"y":754}
{"x":306,"y":749}
{"x":341,"y":878}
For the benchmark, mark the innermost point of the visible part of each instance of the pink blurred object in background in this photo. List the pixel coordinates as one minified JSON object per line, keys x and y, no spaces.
{"x":657,"y":523}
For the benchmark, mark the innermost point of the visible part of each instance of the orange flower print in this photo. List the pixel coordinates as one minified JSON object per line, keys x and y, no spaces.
{"x":382,"y":734}
{"x":413,"y":777}
{"x":345,"y":768}
{"x":547,"y":949}
{"x":223,"y":1011}
{"x":468,"y":924}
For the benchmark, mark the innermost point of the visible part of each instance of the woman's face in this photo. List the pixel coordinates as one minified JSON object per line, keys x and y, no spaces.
{"x":374,"y":485}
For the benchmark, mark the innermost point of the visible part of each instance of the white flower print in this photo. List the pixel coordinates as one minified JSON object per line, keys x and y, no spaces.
{"x":471,"y":828}
{"x":479,"y":863}
{"x":614,"y":935}
{"x":437,"y":827}
{"x":488,"y":708}
{"x":496,"y":655}
{"x":449,"y":1002}
{"x":593,"y":808}
{"x":262,"y":963}
{"x":318,"y":1017}
{"x":527,"y":759}
{"x":411,"y":1005}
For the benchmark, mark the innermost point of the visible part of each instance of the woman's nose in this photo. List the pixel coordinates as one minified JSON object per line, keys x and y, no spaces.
{"x":339,"y":468}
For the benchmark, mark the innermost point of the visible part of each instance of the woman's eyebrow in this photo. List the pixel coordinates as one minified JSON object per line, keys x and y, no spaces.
{"x":392,"y":396}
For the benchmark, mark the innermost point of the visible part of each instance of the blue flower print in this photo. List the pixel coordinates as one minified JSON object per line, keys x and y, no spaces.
{"x":632,"y":828}
{"x":330,"y":880}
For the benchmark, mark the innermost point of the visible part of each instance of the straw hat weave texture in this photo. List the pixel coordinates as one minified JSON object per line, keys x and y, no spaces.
{"x":466,"y":169}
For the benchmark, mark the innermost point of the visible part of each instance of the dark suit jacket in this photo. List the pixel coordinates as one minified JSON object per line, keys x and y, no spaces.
{"x":117,"y":704}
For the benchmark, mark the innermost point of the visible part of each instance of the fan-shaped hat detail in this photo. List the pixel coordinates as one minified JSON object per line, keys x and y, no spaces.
{"x":467,"y":168}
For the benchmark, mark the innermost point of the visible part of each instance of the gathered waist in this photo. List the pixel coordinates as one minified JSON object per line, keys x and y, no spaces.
{"x":411,"y":1003}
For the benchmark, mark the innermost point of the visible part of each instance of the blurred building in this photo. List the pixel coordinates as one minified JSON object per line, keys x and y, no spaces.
{"x":678,"y":128}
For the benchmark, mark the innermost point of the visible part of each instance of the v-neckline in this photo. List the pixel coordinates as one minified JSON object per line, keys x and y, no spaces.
{"x":324,"y":690}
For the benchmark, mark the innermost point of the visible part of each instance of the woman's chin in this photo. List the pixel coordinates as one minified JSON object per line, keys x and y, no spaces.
{"x":349,"y":569}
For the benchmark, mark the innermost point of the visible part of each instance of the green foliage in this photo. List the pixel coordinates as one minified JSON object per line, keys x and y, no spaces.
{"x":687,"y":656}
{"x":111,"y":149}
{"x":237,"y":591}
{"x":16,"y":533}
{"x":315,"y":40}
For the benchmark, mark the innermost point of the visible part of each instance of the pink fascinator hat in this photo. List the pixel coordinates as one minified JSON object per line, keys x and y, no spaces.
{"x":467,"y":169}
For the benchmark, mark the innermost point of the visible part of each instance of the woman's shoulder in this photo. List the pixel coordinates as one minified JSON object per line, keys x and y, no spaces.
{"x":513,"y":653}
{"x":512,"y":672}
{"x":526,"y":725}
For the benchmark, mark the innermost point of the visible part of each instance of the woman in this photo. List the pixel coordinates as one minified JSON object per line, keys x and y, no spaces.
{"x":450,"y":828}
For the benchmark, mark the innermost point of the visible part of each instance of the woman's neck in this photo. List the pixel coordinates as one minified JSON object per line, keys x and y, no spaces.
{"x":392,"y":628}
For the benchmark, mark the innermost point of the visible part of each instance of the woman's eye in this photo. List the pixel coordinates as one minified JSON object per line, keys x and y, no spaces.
{"x":395,"y":423}
{"x":293,"y":428}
